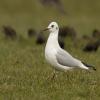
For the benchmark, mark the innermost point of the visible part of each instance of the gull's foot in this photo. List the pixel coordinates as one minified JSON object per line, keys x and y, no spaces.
{"x":52,"y":76}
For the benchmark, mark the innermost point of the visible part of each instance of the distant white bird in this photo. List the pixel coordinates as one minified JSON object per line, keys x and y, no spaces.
{"x":56,"y":56}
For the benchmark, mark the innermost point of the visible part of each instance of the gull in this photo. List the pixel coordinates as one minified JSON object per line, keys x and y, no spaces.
{"x":56,"y":56}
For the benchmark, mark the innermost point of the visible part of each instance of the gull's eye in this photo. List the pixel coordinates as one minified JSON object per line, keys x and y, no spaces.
{"x":52,"y":26}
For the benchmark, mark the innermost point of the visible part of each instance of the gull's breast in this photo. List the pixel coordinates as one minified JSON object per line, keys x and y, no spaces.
{"x":51,"y":49}
{"x":50,"y":53}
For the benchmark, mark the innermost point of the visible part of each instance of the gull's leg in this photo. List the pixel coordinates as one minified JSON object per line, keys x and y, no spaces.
{"x":53,"y":75}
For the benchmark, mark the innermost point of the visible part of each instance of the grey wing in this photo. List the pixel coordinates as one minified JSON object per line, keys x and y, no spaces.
{"x":66,"y":59}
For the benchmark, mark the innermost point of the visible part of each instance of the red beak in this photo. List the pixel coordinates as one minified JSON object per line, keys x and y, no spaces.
{"x":46,"y":29}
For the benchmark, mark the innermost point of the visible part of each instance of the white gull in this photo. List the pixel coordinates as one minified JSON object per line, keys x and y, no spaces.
{"x":56,"y":56}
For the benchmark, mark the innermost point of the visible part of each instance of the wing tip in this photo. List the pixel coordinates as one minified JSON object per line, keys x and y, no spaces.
{"x":89,"y":66}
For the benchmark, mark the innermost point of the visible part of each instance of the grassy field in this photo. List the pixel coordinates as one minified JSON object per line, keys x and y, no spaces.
{"x":23,"y":69}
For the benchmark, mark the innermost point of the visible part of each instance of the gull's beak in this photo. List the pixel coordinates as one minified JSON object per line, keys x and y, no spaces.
{"x":46,"y":29}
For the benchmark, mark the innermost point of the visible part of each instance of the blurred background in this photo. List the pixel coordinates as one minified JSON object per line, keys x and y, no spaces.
{"x":23,"y":18}
{"x":23,"y":14}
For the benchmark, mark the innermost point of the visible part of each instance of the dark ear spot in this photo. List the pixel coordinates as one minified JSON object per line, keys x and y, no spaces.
{"x":52,"y":26}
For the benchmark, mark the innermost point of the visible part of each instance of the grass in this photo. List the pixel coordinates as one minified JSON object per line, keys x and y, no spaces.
{"x":23,"y":69}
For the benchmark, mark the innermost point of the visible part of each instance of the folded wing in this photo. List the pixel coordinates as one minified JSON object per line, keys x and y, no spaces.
{"x":65,"y":59}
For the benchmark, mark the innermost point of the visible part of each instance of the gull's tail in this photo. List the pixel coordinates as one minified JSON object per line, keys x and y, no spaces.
{"x":89,"y":66}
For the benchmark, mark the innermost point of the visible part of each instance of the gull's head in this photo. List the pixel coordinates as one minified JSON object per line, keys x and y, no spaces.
{"x":52,"y":27}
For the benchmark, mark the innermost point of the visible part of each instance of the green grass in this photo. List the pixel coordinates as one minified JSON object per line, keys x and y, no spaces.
{"x":23,"y":69}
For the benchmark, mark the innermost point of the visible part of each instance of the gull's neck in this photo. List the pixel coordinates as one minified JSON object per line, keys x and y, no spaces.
{"x":53,"y":39}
